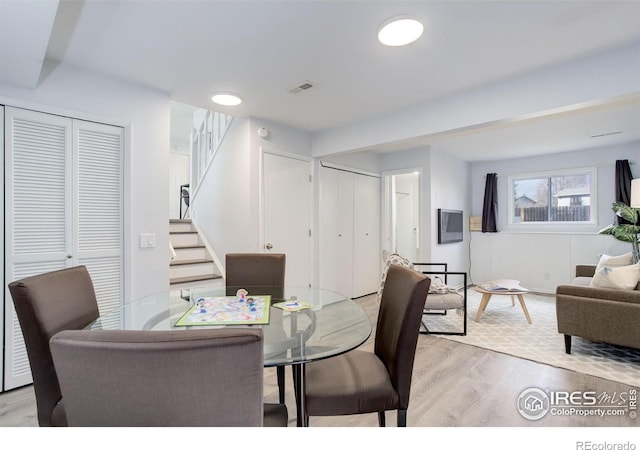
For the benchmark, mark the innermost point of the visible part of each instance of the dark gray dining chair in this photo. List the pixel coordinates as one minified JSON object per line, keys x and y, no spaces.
{"x":359,"y":381}
{"x":259,"y":274}
{"x":190,"y":378}
{"x":45,"y":305}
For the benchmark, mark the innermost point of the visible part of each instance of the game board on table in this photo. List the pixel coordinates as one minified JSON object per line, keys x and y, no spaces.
{"x":234,"y":310}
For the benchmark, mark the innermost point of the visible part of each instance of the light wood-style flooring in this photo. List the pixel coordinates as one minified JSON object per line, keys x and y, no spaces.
{"x":454,"y":385}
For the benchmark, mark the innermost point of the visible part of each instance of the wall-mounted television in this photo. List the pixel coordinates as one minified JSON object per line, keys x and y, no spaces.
{"x":449,"y":226}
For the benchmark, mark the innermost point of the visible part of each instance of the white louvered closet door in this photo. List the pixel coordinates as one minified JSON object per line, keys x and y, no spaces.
{"x":63,"y":207}
{"x":98,"y":237}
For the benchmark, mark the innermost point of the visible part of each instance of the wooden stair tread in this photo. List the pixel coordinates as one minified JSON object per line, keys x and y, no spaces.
{"x":179,"y":220}
{"x":184,"y":262}
{"x":194,"y":278}
{"x":183,"y":232}
{"x":176,"y":247}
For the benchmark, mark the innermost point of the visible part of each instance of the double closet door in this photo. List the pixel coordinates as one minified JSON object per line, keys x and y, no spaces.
{"x":350,"y":257}
{"x":63,"y":208}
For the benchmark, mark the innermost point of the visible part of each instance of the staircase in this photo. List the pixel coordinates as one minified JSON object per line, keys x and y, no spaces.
{"x":192,"y":264}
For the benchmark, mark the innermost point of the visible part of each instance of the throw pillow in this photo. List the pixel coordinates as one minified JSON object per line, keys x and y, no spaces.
{"x":391,"y":258}
{"x":615,"y":261}
{"x":623,"y":277}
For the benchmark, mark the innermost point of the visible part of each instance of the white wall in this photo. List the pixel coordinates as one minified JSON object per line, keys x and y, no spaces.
{"x":227,"y":205}
{"x":543,"y":259}
{"x":222,"y":203}
{"x":449,"y":190}
{"x":365,"y":161}
{"x":145,"y":114}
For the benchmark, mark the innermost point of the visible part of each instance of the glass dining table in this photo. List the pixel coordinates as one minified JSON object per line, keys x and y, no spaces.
{"x":329,"y":325}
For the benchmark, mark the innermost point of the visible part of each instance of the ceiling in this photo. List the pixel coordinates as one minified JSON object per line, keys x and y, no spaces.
{"x":261,"y":50}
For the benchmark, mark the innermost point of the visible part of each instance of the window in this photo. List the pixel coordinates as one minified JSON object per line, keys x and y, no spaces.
{"x":566,"y":196}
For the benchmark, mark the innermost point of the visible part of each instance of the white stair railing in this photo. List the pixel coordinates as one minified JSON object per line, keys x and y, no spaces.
{"x":206,"y":137}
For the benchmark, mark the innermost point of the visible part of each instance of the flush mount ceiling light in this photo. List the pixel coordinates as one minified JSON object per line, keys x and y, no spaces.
{"x":399,"y":31}
{"x":226,"y":99}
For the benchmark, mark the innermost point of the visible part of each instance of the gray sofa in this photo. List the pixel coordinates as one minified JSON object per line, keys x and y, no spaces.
{"x":604,"y":315}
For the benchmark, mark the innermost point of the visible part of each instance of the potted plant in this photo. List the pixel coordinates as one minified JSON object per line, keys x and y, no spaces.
{"x":626,"y":232}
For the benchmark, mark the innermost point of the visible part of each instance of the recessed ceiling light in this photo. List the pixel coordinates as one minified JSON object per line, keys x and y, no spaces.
{"x":399,"y":31}
{"x":226,"y":99}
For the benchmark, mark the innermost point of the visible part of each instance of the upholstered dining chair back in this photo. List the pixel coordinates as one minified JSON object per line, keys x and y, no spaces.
{"x":126,"y":378}
{"x":362,"y":381}
{"x":403,"y":298}
{"x":258,"y":273}
{"x":46,"y":304}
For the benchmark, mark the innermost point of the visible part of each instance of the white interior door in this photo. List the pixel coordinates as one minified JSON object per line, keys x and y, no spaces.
{"x":406,"y":215}
{"x":287,"y":206}
{"x":401,"y":222}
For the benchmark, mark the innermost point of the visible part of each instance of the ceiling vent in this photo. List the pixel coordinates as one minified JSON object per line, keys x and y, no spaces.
{"x":304,"y":86}
{"x":606,"y":134}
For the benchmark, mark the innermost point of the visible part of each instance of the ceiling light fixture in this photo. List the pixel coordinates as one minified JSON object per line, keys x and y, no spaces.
{"x":399,"y":31}
{"x":226,"y":99}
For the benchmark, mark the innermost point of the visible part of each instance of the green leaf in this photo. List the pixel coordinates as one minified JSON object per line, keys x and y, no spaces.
{"x":626,"y":232}
{"x":625,"y":211}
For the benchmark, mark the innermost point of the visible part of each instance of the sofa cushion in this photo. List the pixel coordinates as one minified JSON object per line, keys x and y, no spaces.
{"x":615,"y":261}
{"x":623,"y":277}
{"x":582,"y":281}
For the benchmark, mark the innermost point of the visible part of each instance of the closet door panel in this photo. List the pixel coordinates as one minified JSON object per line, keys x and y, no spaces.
{"x":366,"y":235}
{"x":336,"y":230}
{"x":344,"y":242}
{"x":2,"y":310}
{"x":38,"y":158}
{"x":38,"y":227}
{"x":98,"y":207}
{"x":328,"y":231}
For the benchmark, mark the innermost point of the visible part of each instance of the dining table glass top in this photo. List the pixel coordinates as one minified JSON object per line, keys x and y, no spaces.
{"x":332,"y":324}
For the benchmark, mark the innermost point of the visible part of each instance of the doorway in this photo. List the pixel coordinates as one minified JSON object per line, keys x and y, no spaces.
{"x":402,"y":211}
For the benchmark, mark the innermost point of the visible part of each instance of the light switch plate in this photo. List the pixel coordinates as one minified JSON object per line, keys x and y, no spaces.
{"x":147,"y":240}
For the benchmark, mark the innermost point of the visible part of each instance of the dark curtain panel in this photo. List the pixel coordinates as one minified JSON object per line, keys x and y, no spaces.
{"x":623,"y":185}
{"x":490,"y":205}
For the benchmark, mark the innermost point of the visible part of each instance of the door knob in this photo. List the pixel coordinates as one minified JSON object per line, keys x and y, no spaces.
{"x":69,"y":255}
{"x":268,"y":246}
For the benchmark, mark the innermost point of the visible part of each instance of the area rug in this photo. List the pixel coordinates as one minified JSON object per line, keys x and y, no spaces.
{"x":503,"y":328}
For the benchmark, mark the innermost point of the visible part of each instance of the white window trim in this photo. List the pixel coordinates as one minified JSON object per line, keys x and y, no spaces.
{"x":593,"y":191}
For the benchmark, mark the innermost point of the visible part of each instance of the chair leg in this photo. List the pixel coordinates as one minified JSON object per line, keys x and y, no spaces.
{"x":567,"y":343}
{"x":381,"y":419}
{"x":402,"y":417}
{"x":280,"y":374}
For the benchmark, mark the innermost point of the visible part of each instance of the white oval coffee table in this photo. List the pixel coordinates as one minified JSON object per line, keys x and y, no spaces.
{"x":501,"y":287}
